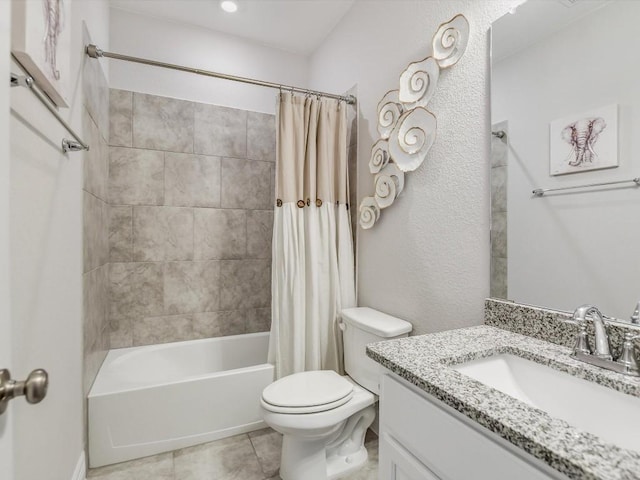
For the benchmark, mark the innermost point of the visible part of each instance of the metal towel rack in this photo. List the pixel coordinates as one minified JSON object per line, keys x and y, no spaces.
{"x":539,"y":192}
{"x":28,"y":82}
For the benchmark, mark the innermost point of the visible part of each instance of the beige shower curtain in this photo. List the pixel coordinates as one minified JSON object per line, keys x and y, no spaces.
{"x":313,"y":263}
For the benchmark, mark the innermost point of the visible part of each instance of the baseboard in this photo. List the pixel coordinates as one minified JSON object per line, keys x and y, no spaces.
{"x":80,"y":473}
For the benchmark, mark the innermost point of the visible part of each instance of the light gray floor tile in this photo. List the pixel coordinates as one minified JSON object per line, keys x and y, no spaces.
{"x":268,"y":446}
{"x":227,"y":459}
{"x":158,"y":467}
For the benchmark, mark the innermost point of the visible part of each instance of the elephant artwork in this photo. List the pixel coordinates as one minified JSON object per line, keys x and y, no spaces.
{"x":53,"y":12}
{"x":583,"y":142}
{"x":582,"y":136}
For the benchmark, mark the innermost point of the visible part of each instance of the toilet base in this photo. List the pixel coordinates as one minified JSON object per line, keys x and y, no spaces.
{"x":324,"y":459}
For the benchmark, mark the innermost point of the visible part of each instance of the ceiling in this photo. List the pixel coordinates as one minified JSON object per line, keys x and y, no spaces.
{"x":535,"y":20}
{"x":297,"y":26}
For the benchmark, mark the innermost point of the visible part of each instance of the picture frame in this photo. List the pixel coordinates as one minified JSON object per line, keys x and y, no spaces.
{"x":40,"y":41}
{"x":584,"y":142}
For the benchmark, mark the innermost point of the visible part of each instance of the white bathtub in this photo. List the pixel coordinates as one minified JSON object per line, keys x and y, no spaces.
{"x":157,"y":398}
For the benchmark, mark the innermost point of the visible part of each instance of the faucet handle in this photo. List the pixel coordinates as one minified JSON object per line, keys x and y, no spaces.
{"x":635,"y":316}
{"x":627,"y":356}
{"x":582,"y":341}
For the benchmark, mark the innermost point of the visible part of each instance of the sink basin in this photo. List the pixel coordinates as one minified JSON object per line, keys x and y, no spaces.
{"x":602,"y":411}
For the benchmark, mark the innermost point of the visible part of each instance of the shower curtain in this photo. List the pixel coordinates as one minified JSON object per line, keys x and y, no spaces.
{"x":313,"y":262}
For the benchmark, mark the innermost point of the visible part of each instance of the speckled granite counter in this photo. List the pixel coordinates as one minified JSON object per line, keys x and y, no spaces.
{"x":424,"y":360}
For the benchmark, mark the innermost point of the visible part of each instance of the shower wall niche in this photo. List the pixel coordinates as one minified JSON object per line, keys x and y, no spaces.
{"x":191,"y":194}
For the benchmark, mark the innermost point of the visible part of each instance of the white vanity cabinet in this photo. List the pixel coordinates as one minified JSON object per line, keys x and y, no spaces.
{"x":421,"y":438}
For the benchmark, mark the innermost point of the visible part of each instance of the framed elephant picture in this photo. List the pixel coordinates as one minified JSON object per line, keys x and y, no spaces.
{"x":585,"y":141}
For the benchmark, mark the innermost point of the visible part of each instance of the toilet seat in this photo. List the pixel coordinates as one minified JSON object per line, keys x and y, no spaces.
{"x":307,"y":392}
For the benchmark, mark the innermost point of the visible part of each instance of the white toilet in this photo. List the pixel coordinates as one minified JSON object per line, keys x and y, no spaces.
{"x":324,"y":416}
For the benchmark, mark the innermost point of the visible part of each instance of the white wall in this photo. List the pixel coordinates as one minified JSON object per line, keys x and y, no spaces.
{"x":566,"y":250}
{"x":46,"y":266}
{"x":427,"y":260}
{"x":191,"y":46}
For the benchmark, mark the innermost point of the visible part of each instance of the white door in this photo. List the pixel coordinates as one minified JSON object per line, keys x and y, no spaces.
{"x":6,"y":433}
{"x":40,"y":278}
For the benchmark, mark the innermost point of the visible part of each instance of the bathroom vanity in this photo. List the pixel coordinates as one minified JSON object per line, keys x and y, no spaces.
{"x":488,"y":403}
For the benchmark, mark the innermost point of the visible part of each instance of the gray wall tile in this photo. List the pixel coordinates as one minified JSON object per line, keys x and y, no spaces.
{"x":95,"y":291}
{"x":162,"y":233}
{"x":499,"y":277}
{"x":499,"y":234}
{"x":136,"y":177}
{"x":135,"y":290}
{"x":121,"y":335}
{"x":245,"y":284}
{"x":258,"y":320}
{"x":120,"y":118}
{"x":220,"y":234}
{"x":191,"y":287}
{"x":178,"y":295}
{"x":220,"y":131}
{"x":162,"y":123}
{"x":261,"y":136}
{"x":154,"y":330}
{"x":96,"y":160}
{"x":219,"y":324}
{"x":95,"y":326}
{"x":95,"y":89}
{"x":192,"y":180}
{"x":95,"y":232}
{"x":259,"y":233}
{"x":499,"y":189}
{"x":121,"y":233}
{"x":246,"y":184}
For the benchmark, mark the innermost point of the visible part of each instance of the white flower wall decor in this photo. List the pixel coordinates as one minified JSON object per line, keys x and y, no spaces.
{"x":407,"y":129}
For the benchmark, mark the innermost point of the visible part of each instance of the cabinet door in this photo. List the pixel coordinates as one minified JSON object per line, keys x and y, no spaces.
{"x":396,"y":463}
{"x":448,"y":444}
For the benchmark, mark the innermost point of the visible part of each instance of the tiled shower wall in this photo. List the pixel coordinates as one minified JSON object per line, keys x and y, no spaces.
{"x":95,"y":271}
{"x":191,"y":189}
{"x":499,"y":169}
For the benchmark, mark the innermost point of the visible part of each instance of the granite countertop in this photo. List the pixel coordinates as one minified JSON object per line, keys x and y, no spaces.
{"x":424,"y":361}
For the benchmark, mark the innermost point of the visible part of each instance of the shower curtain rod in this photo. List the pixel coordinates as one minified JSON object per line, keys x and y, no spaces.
{"x":94,"y":52}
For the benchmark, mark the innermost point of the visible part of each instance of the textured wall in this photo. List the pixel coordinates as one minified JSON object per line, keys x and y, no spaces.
{"x":191,"y":194}
{"x":428,"y":259}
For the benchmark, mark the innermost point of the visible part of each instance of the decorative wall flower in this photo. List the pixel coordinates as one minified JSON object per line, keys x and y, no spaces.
{"x":389,"y":183}
{"x":418,"y":83}
{"x":379,"y":156}
{"x":369,"y":212}
{"x":389,"y":111}
{"x":412,"y":138}
{"x":407,"y":129}
{"x":450,"y":41}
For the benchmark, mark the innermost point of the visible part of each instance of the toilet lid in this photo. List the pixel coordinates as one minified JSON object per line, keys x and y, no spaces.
{"x":320,"y":390}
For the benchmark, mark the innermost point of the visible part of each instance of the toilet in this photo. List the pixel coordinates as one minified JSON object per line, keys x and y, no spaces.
{"x":324,"y":416}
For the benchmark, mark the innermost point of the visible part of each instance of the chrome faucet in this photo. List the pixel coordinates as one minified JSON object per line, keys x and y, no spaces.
{"x":635,"y":316}
{"x":603,"y":348}
{"x":626,"y":363}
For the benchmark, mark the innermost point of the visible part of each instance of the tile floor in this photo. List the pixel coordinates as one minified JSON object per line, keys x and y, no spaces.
{"x":252,"y":456}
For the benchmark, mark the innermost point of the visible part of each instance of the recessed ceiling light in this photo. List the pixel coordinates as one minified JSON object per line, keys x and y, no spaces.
{"x":229,"y":6}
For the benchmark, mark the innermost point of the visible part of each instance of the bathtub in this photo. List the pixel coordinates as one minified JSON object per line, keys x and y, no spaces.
{"x":157,"y":398}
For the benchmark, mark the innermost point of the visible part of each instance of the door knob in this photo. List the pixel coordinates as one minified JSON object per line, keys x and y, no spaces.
{"x":34,"y":388}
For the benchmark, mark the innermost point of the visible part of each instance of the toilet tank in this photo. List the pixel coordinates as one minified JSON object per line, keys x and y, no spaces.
{"x":363,"y":325}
